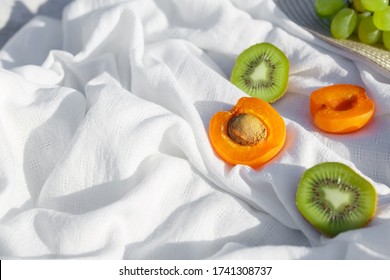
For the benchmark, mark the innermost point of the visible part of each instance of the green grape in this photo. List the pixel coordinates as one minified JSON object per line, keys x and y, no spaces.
{"x":357,"y":5}
{"x":368,"y":33}
{"x":368,"y":20}
{"x":386,"y":39}
{"x":382,"y":19}
{"x":361,"y":16}
{"x":375,"y":5}
{"x":343,"y":23}
{"x":327,"y":8}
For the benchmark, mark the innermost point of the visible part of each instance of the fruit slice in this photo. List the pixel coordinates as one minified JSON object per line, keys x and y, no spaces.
{"x":261,"y":71}
{"x":341,"y":108}
{"x":251,"y":133}
{"x":334,"y":198}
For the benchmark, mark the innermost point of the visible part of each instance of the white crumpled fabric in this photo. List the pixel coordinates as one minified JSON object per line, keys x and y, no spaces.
{"x":104,"y":148}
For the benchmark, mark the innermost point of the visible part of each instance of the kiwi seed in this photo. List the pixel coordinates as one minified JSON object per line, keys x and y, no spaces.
{"x":246,"y":129}
{"x":334,"y":198}
{"x":262,"y":71}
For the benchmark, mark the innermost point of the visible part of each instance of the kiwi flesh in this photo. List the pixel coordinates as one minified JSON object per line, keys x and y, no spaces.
{"x":334,"y":198}
{"x":262,"y":71}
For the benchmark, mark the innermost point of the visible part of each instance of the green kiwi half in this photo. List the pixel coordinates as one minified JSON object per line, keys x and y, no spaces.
{"x":334,"y":198}
{"x":261,"y":71}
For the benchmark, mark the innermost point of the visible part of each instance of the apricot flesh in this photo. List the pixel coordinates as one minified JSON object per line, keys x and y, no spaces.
{"x":341,"y":108}
{"x":266,"y":145}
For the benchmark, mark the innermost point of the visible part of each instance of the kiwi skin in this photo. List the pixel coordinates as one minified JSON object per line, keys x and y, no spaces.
{"x":277,"y":65}
{"x":320,"y":213}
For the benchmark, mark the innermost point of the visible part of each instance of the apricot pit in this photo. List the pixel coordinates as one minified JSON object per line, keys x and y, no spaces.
{"x":246,"y":129}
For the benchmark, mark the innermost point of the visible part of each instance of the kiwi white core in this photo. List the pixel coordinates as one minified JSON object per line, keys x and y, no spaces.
{"x":336,"y":197}
{"x":260,"y":73}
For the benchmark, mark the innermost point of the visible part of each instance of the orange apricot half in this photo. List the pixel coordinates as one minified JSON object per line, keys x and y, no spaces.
{"x":251,"y":133}
{"x":341,"y":108}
